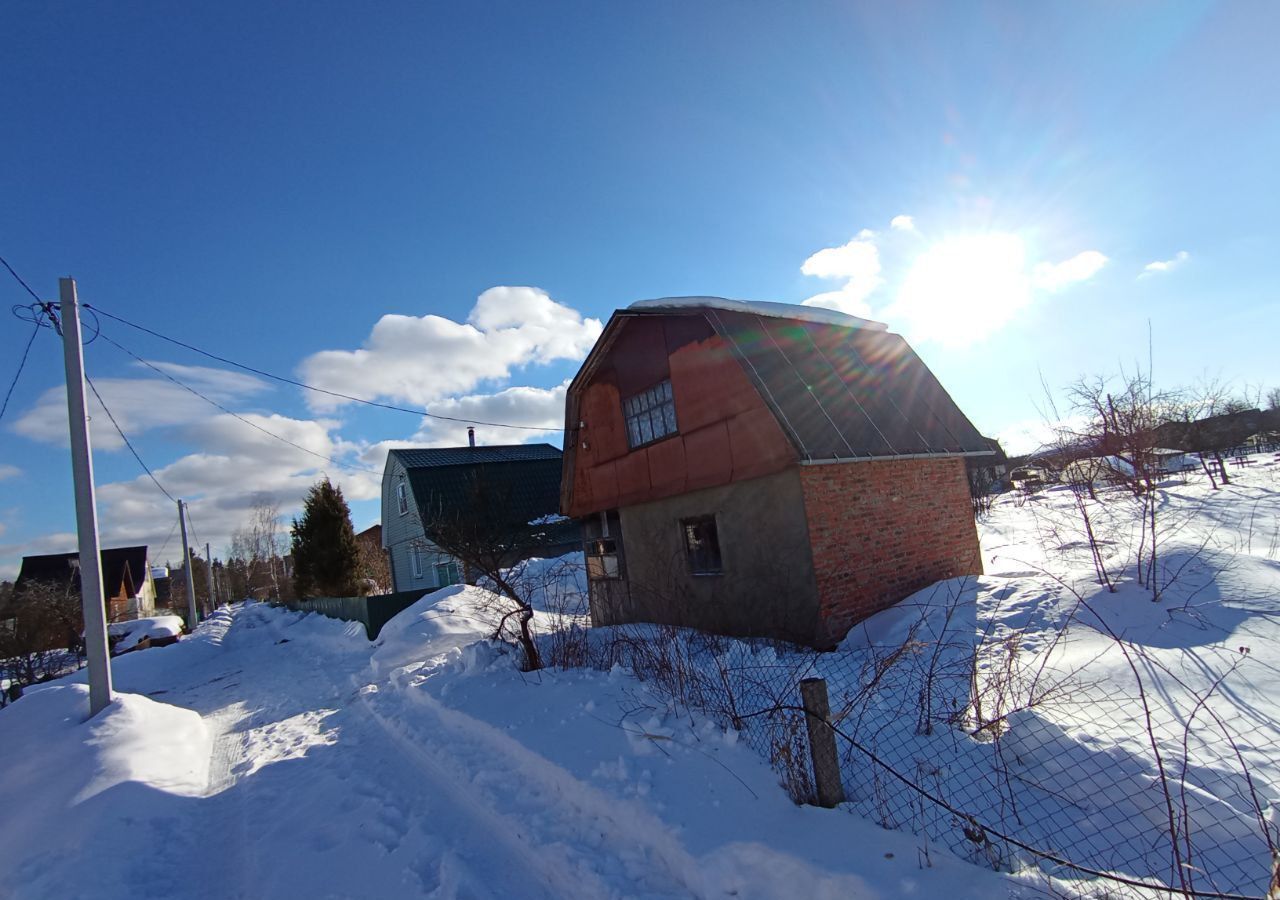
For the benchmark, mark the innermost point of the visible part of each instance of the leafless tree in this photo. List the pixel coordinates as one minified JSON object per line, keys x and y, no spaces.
{"x":260,"y":544}
{"x":41,"y":639}
{"x":490,"y":541}
{"x":374,"y":565}
{"x":1121,"y":418}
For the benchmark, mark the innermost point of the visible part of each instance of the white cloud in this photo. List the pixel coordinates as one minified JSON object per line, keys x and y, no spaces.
{"x":1056,"y":276}
{"x":138,"y":404}
{"x":1165,"y":265}
{"x":859,"y":259}
{"x":235,"y":468}
{"x":955,"y":291}
{"x":858,"y":263}
{"x":421,"y":360}
{"x":8,"y":471}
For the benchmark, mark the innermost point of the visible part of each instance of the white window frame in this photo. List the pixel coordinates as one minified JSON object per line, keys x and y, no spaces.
{"x":650,"y":415}
{"x":443,"y":564}
{"x":415,"y":560}
{"x":402,"y":497}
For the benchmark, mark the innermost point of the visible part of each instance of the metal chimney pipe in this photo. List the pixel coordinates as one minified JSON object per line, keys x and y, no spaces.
{"x":471,"y":436}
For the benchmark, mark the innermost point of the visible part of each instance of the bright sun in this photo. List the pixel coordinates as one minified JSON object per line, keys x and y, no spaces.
{"x":963,"y":287}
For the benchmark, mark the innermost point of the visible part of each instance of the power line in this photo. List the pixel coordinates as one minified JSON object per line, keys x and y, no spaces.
{"x":191,"y":523}
{"x":36,"y":323}
{"x":21,"y":365}
{"x":234,"y":415}
{"x":165,"y":545}
{"x":310,"y":387}
{"x":33,"y":294}
{"x":127,"y":443}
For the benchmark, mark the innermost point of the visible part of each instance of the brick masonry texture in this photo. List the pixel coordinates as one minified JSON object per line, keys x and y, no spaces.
{"x":883,"y":530}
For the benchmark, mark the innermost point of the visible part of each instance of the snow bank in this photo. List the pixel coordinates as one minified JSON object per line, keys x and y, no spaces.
{"x":764,"y":308}
{"x":438,"y":624}
{"x":155,"y":628}
{"x":130,"y":756}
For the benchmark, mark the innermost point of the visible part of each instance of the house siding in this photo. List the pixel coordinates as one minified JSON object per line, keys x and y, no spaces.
{"x":725,"y":433}
{"x":401,"y":532}
{"x":881,"y":531}
{"x":767,"y":587}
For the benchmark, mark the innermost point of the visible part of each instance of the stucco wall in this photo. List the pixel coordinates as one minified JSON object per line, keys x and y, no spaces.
{"x":767,"y":587}
{"x":881,"y":531}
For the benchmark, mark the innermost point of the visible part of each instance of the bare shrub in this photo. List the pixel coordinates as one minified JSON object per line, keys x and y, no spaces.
{"x":42,"y":640}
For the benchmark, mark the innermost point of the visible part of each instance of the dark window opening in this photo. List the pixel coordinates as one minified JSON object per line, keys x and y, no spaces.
{"x":702,"y":545}
{"x":602,"y":559}
{"x":650,"y":415}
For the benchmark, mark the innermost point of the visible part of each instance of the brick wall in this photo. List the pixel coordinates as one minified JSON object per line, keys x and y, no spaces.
{"x":882,"y":530}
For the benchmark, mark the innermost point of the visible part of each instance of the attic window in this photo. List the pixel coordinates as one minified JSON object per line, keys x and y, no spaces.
{"x":402,"y":498}
{"x":702,"y":545}
{"x":650,"y":415}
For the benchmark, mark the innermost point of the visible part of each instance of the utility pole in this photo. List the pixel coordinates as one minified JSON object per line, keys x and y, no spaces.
{"x":193,"y":618}
{"x":208,"y":571}
{"x":95,"y":610}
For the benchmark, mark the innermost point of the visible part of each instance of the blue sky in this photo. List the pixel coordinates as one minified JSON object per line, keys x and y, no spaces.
{"x":269,"y":180}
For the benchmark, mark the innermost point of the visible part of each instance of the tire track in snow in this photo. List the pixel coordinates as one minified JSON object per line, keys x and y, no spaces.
{"x":562,"y":872}
{"x":641,"y":843}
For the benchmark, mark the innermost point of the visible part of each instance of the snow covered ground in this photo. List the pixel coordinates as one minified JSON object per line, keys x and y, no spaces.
{"x":320,"y":766}
{"x":276,"y":754}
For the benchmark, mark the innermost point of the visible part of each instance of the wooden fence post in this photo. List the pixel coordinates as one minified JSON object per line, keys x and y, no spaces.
{"x":1274,"y":892}
{"x":822,"y":742}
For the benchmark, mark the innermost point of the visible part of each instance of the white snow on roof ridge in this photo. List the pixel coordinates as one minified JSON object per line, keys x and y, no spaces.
{"x":817,"y":314}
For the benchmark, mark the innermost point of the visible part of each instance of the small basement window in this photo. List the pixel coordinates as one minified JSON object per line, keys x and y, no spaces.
{"x":702,"y":545}
{"x":602,"y":559}
{"x":650,"y":415}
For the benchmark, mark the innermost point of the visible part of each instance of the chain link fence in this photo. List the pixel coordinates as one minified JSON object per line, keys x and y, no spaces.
{"x":1088,"y":788}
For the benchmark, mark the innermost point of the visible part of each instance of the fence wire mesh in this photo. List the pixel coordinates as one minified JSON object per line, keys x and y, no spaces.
{"x":1087,"y":788}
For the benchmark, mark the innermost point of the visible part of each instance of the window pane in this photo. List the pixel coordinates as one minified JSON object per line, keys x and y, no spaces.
{"x":669,"y":417}
{"x":633,"y":432}
{"x":646,"y":430}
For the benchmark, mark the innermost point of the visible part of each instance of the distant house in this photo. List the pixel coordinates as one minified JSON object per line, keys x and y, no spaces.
{"x":128,"y":588}
{"x":988,"y":473}
{"x":763,"y":469}
{"x":424,"y":485}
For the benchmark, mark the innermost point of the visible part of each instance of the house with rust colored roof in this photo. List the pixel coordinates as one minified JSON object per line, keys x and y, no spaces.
{"x":129,"y":590}
{"x":761,"y":469}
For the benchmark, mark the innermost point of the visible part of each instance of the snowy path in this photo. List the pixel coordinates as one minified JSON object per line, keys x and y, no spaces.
{"x":306,"y":768}
{"x":393,"y":814}
{"x":332,"y":772}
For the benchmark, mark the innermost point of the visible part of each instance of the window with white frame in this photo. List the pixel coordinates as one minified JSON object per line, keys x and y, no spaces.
{"x":402,"y":497}
{"x":650,"y":415}
{"x":447,"y":573}
{"x":415,"y":560}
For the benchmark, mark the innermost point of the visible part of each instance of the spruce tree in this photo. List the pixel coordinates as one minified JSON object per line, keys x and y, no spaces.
{"x":325,"y":555}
